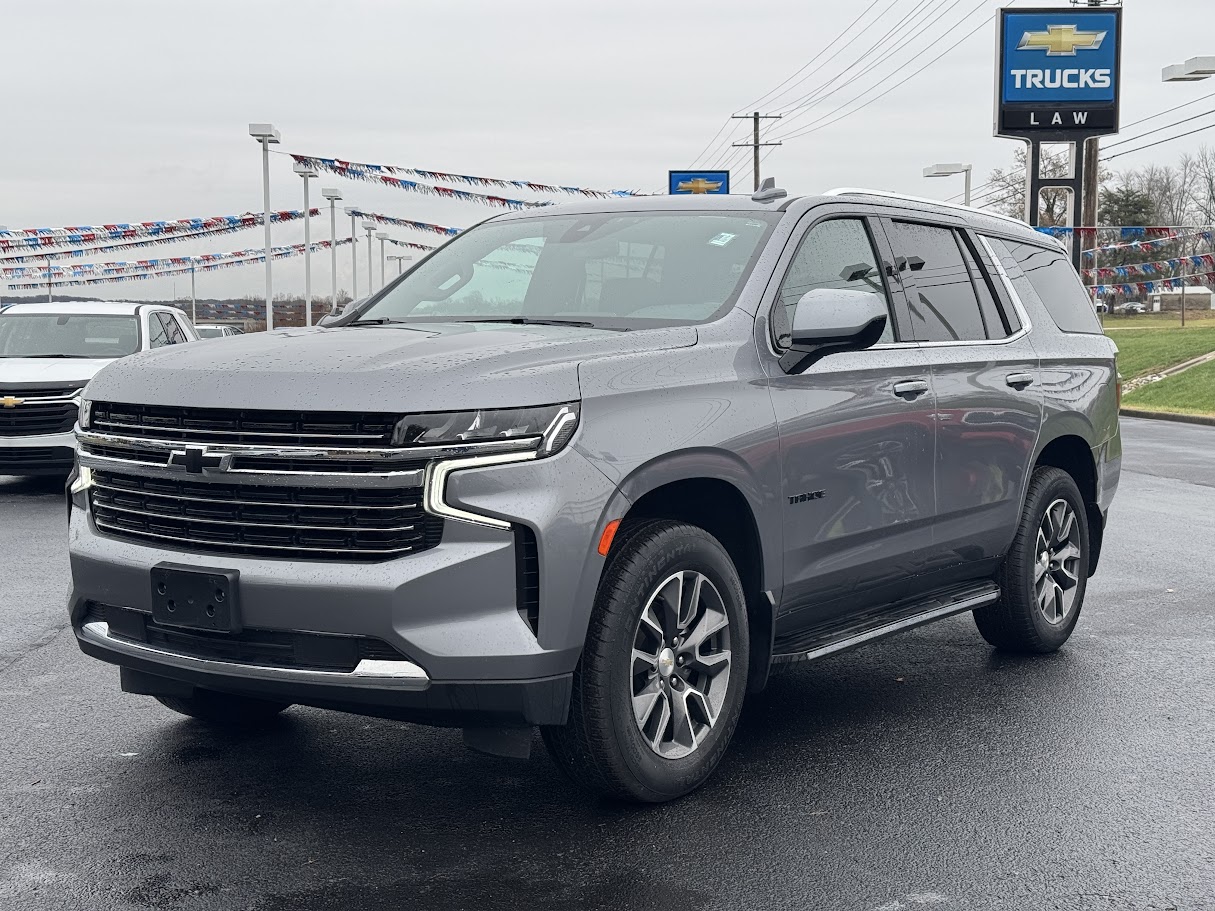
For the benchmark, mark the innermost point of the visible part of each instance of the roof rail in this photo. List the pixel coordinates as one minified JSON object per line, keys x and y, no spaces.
{"x":886,"y":194}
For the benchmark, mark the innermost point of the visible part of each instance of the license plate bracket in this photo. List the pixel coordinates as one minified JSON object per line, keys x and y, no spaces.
{"x":195,"y":597}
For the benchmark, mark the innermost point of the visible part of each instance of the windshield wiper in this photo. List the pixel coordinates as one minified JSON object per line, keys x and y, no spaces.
{"x":529,"y":321}
{"x":57,"y":355}
{"x":377,"y":321}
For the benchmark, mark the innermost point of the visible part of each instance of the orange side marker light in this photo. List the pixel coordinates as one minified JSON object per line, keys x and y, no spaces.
{"x":609,"y":534}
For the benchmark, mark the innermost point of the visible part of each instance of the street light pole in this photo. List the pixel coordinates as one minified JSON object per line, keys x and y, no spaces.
{"x":399,"y":258}
{"x":333,"y":196}
{"x":193,"y":299}
{"x":266,"y":134}
{"x":369,"y":227}
{"x":381,"y":236}
{"x":948,"y":170}
{"x":354,"y":256}
{"x":307,"y":173}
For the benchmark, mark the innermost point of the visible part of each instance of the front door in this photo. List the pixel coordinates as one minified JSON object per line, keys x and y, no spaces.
{"x":989,"y":393}
{"x":856,"y":439}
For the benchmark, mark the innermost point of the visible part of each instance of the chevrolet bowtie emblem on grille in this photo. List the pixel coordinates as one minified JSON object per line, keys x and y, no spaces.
{"x":699,"y":185}
{"x":11,"y":401}
{"x":1061,"y":41}
{"x":195,"y":458}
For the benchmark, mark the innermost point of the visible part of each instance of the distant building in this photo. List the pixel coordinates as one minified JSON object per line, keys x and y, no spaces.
{"x":1196,"y":298}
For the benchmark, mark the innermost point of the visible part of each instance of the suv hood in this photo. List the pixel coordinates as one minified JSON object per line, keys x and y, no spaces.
{"x":49,"y":371}
{"x":415,"y":367}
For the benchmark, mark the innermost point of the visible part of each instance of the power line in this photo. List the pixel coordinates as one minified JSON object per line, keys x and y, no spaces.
{"x":768,"y":96}
{"x":1209,"y":126}
{"x":819,"y":124}
{"x":1167,"y":126}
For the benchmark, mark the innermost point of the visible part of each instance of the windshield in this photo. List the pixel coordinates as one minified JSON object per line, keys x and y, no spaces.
{"x":615,"y":271}
{"x":68,"y":335}
{"x":209,"y":331}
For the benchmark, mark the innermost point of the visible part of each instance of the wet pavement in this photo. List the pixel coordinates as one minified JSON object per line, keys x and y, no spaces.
{"x":925,"y":771}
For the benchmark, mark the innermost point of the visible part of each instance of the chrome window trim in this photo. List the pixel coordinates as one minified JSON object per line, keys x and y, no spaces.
{"x":434,"y":498}
{"x":368,"y":672}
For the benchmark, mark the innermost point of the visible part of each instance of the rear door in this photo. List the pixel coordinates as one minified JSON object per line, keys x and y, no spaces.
{"x":856,"y":434}
{"x":987,"y":382}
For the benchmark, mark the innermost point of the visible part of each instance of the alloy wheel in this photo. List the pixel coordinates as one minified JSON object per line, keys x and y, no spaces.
{"x":680,"y":664}
{"x":1057,"y":569}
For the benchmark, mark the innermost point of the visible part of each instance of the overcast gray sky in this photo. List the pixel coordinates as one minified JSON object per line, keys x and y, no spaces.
{"x":126,"y":111}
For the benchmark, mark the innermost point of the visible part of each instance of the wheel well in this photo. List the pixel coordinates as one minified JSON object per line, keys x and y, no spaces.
{"x":1072,"y":454}
{"x":720,"y":509}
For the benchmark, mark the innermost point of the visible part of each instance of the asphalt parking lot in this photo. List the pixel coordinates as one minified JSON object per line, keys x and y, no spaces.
{"x":926,"y":771}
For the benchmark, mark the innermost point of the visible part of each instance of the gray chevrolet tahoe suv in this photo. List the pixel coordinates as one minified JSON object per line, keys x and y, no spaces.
{"x":598,"y":468}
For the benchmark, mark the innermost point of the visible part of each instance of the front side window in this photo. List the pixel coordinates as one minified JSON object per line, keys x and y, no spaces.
{"x":157,"y":337}
{"x":836,"y":254}
{"x":68,"y":335}
{"x":617,"y":271}
{"x":172,"y":329}
{"x":941,"y":297}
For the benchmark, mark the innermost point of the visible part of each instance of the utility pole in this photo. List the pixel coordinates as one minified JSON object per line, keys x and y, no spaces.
{"x":755,"y":144}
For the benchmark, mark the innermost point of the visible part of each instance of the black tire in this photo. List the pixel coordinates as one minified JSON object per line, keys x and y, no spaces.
{"x":1017,"y":622}
{"x":225,"y":709}
{"x":601,"y":746}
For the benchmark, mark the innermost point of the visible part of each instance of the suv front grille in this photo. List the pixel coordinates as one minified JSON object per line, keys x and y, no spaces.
{"x":38,"y":411}
{"x":250,"y":427}
{"x":311,"y":523}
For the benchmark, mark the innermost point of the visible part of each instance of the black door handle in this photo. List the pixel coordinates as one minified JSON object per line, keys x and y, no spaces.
{"x":909,"y":389}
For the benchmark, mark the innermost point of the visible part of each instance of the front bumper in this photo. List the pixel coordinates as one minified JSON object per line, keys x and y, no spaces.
{"x":42,"y":454}
{"x":452,"y":610}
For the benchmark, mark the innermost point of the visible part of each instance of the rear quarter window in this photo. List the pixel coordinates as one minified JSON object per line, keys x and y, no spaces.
{"x":1046,"y":275}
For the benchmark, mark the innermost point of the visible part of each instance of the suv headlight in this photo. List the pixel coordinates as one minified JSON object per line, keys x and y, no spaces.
{"x":84,"y":405}
{"x":554,"y":425}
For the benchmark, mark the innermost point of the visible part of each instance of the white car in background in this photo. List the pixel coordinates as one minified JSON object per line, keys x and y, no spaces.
{"x":48,"y":352}
{"x":217,"y":330}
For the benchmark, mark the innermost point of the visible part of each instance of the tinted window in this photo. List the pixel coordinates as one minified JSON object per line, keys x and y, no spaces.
{"x":1009,"y":313}
{"x":620,"y":270}
{"x":1054,"y":282}
{"x":157,"y":337}
{"x":993,"y":319}
{"x":63,"y":335}
{"x":944,"y":306}
{"x":173,"y":329}
{"x":834,"y":254}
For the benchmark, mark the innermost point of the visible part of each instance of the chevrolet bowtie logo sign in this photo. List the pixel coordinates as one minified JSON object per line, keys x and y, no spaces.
{"x":699,"y":185}
{"x":11,"y":401}
{"x":1061,"y":41}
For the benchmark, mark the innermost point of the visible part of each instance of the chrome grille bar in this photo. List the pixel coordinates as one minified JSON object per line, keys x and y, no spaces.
{"x":283,"y":504}
{"x":281,"y":526}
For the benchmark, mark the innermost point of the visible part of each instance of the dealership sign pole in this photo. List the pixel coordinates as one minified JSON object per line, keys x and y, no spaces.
{"x":1057,"y":81}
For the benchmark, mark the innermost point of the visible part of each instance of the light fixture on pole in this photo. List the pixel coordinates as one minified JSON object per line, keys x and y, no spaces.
{"x":307,"y":173}
{"x":267,"y":135}
{"x":369,"y":227}
{"x":354,"y":258}
{"x":381,"y":236}
{"x":1193,"y":70}
{"x":333,"y":196}
{"x":399,"y":258}
{"x":948,"y":170}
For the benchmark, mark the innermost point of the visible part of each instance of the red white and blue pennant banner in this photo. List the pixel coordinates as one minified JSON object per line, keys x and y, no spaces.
{"x":423,"y":226}
{"x":280,"y":253}
{"x":26,"y":239}
{"x":337,"y":165}
{"x":1156,"y":268}
{"x":1203,"y":279}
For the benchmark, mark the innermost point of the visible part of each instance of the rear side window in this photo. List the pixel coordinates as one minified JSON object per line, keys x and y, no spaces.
{"x":944,"y":305}
{"x":1046,"y":275}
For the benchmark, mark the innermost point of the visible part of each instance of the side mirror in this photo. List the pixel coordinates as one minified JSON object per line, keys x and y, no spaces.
{"x":335,"y":319}
{"x":826,"y":320}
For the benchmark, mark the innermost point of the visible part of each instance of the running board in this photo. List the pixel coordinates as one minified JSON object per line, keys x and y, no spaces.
{"x":819,"y":643}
